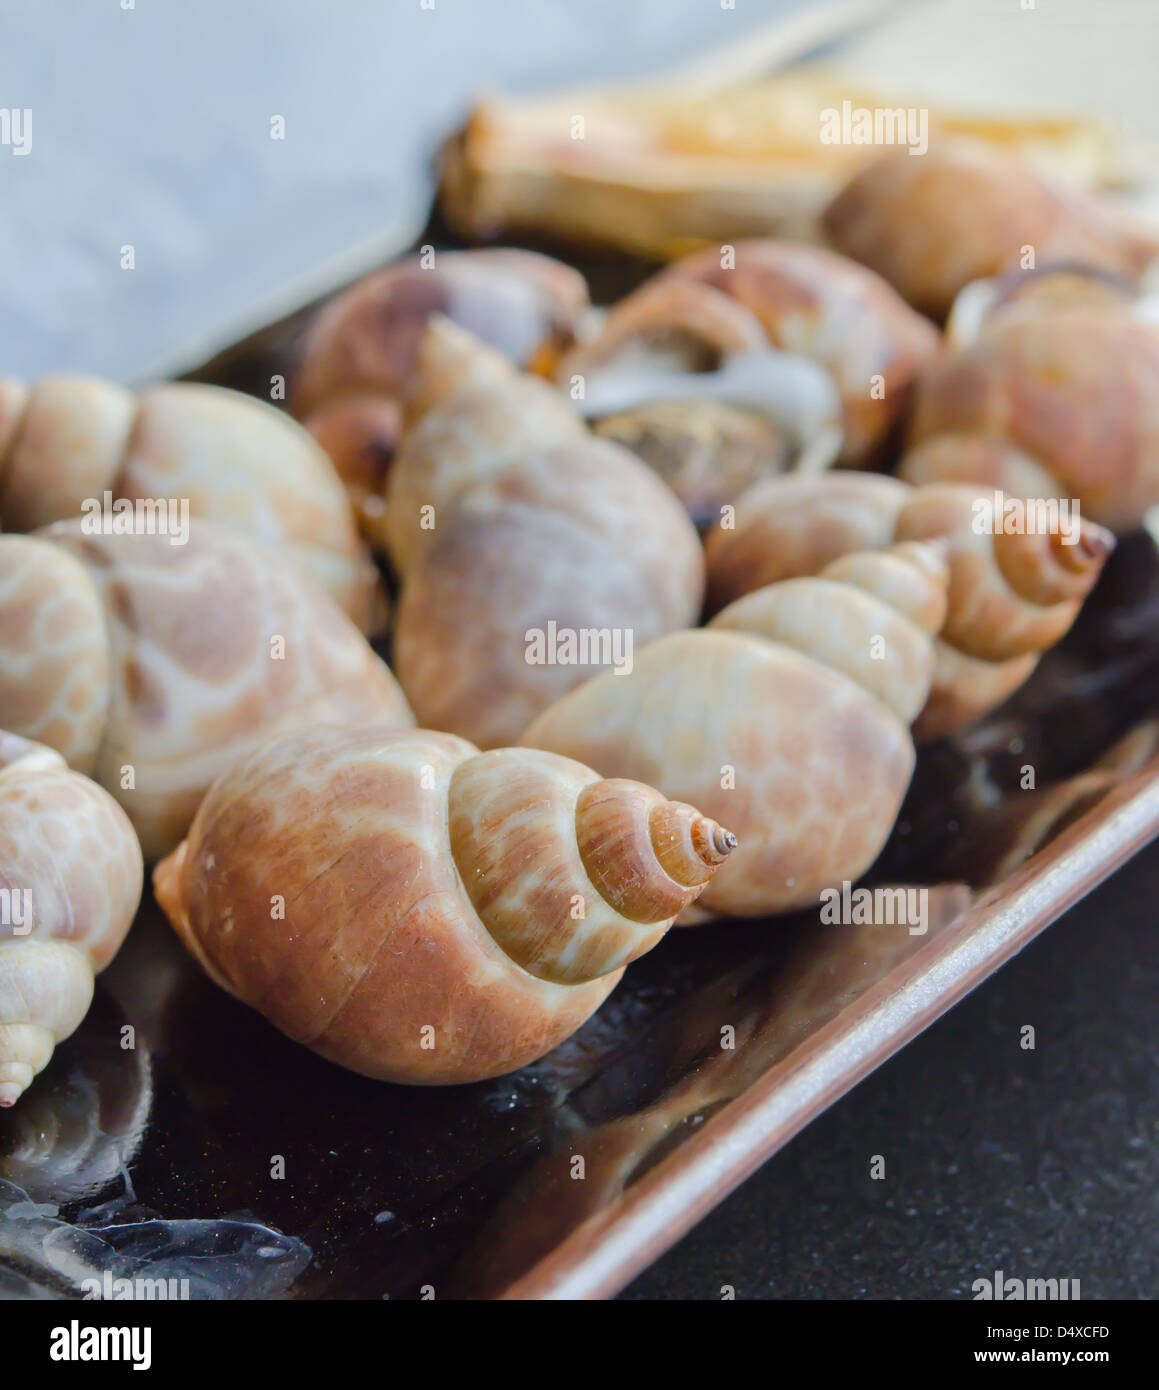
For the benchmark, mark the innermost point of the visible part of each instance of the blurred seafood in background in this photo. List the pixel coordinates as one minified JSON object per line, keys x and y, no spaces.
{"x":831,"y":311}
{"x":1052,"y":393}
{"x":753,"y":360}
{"x":1055,"y":285}
{"x":359,"y":352}
{"x":660,"y":169}
{"x":963,"y":212}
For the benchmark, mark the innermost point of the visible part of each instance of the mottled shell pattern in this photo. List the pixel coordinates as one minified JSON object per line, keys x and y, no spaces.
{"x":70,"y":881}
{"x":469,"y":912}
{"x":1011,"y":595}
{"x":234,"y":459}
{"x":469,"y":414}
{"x":152,"y":666}
{"x":786,"y":718}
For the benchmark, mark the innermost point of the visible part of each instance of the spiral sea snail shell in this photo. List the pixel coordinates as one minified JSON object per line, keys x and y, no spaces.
{"x":1048,"y":402}
{"x":360,"y":352}
{"x":1012,"y":594}
{"x":815,"y":348}
{"x":469,"y":414}
{"x":963,"y":212}
{"x":787,"y":719}
{"x":835,"y":314}
{"x":683,"y":375}
{"x":70,"y":882}
{"x":365,"y":341}
{"x":151,"y":666}
{"x":420,"y":912}
{"x":69,"y":440}
{"x":538,"y":530}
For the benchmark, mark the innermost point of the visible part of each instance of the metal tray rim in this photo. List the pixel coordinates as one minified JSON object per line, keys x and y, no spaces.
{"x":601,"y":1256}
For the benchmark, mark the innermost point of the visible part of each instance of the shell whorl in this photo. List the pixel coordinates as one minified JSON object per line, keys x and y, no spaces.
{"x":469,"y":414}
{"x":55,"y":675}
{"x":1013,"y":593}
{"x":627,"y":832}
{"x":797,"y":524}
{"x":571,"y":875}
{"x":1050,"y":567}
{"x":455,"y":901}
{"x":690,"y":846}
{"x":228,"y":457}
{"x":869,"y":616}
{"x":71,"y":874}
{"x":46,"y":988}
{"x":910,"y":576}
{"x":114,"y":653}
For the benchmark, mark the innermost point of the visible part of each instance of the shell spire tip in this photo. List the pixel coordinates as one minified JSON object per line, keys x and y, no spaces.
{"x":721,"y":842}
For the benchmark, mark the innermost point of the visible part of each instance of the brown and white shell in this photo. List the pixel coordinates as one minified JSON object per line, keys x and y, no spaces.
{"x":235,"y":460}
{"x":963,"y":212}
{"x":153,"y":666}
{"x":365,"y":341}
{"x":1060,"y":402}
{"x":581,"y":541}
{"x":70,"y":881}
{"x":1011,"y":596}
{"x":469,"y":414}
{"x":536,"y":528}
{"x":787,"y":718}
{"x":828,"y":309}
{"x":423,"y":913}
